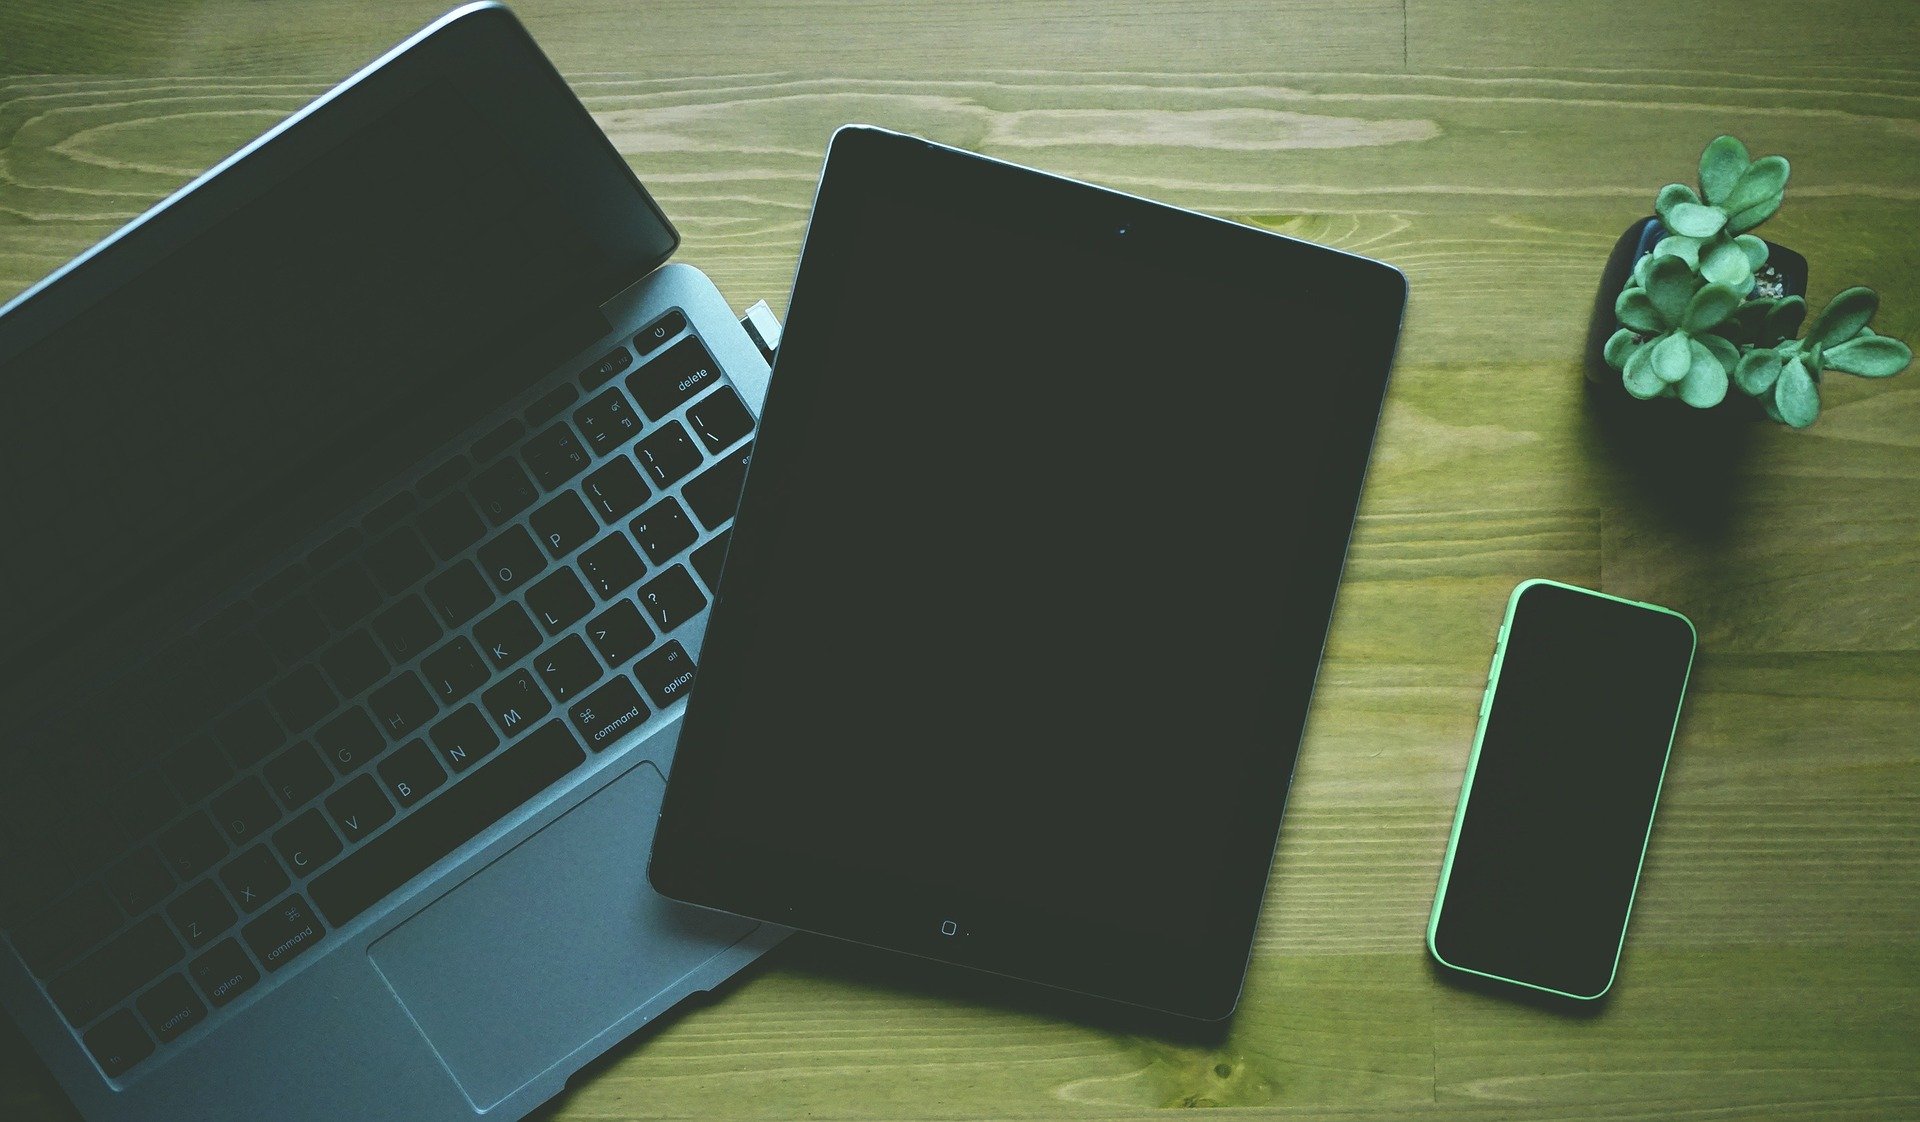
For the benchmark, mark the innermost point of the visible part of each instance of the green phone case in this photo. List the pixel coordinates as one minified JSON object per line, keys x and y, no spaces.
{"x":1473,"y":762}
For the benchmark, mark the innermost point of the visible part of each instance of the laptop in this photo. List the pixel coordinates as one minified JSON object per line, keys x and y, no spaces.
{"x":364,"y":504}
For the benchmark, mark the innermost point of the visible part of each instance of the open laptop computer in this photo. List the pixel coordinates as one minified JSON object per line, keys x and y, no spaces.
{"x":363,"y":502}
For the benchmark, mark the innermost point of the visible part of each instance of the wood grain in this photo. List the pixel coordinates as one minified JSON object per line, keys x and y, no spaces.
{"x":1491,"y":151}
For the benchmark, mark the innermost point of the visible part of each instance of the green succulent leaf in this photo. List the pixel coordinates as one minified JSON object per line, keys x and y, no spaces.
{"x":1676,"y":245}
{"x":1640,"y":270}
{"x":1670,"y":285}
{"x":1720,"y":167}
{"x":1757,"y":371}
{"x":1740,"y":221}
{"x":1747,"y":321}
{"x":1723,"y":350}
{"x":1672,"y":354}
{"x":1795,"y":395}
{"x":1639,"y":377}
{"x":1694,"y":220}
{"x":1619,"y":345}
{"x":1763,"y":179}
{"x":1726,"y":263}
{"x":1705,"y":383}
{"x":1783,"y":320}
{"x":1755,"y":248}
{"x":1870,"y":356}
{"x":1670,"y":196}
{"x":1635,"y":309}
{"x":1709,"y":308}
{"x":1844,"y":316}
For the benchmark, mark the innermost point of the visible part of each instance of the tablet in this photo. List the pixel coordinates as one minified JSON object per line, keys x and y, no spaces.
{"x":1028,"y":585}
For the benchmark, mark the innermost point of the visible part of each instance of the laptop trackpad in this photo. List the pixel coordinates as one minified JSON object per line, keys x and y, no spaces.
{"x":553,"y":943}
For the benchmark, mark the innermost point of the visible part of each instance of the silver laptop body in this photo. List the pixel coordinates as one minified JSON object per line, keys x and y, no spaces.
{"x":261,"y":908}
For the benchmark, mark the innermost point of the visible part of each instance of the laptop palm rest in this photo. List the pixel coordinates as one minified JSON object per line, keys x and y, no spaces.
{"x":547,"y":948}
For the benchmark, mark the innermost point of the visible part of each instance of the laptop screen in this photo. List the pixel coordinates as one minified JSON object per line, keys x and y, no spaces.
{"x":354,"y":299}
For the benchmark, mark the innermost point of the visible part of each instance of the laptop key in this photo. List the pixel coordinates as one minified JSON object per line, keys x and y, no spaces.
{"x":555,"y":456}
{"x":608,"y":421}
{"x":293,"y":630}
{"x":667,"y":454}
{"x":499,"y":440}
{"x":406,"y":629}
{"x":550,"y":404}
{"x":450,"y":526}
{"x":512,"y":559}
{"x":659,"y":331}
{"x":715,"y":492}
{"x":192,"y":845}
{"x":200,"y":913}
{"x":619,"y":633}
{"x":139,"y":880}
{"x":507,"y":636}
{"x":568,"y":667}
{"x":224,"y":973}
{"x":720,"y":418}
{"x":388,"y":514}
{"x":485,"y":796}
{"x":118,"y":1043}
{"x":359,"y":808}
{"x":283,"y":933}
{"x":564,"y":525}
{"x":671,"y":599}
{"x":296,"y":775}
{"x":616,"y":489}
{"x":516,"y":702}
{"x":398,"y":560}
{"x":306,"y":843}
{"x":454,"y":671}
{"x":249,"y":733}
{"x":459,"y":594}
{"x":603,"y":371}
{"x":302,"y":698}
{"x":73,"y":924}
{"x":145,"y":803}
{"x":197,"y":769}
{"x":411,"y":773}
{"x":663,"y":530}
{"x":244,"y":810}
{"x":611,"y":566}
{"x":106,"y":977}
{"x":608,"y":713}
{"x":171,"y":1008}
{"x":349,"y":740}
{"x":253,"y":878}
{"x":345,"y":595}
{"x":666,"y":673}
{"x":708,"y":559}
{"x":559,"y":601}
{"x":402,"y":705}
{"x":680,"y":373}
{"x":355,"y":663}
{"x":502,"y":491}
{"x":464,"y":738}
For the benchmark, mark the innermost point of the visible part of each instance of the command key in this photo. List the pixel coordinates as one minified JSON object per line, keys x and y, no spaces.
{"x":283,"y":932}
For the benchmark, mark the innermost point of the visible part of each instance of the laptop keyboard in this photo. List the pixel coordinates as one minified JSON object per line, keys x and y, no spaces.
{"x":369,"y":709}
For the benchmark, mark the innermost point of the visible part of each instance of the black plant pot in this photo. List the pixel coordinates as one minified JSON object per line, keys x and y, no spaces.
{"x":1653,"y":444}
{"x":1784,"y":268}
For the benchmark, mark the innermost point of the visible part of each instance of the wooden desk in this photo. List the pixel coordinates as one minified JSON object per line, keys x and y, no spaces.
{"x":1493,"y":152}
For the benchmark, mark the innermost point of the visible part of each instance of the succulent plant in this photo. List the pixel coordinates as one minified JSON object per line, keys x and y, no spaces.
{"x":1785,"y":375}
{"x":1693,"y":321}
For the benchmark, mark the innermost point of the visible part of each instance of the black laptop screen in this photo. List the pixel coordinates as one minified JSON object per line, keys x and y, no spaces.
{"x":355,"y":300}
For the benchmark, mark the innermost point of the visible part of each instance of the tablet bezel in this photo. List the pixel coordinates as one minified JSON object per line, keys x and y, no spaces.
{"x":696,"y":858}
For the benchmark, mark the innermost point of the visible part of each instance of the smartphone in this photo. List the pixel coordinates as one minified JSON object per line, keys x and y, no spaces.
{"x":1557,"y":805}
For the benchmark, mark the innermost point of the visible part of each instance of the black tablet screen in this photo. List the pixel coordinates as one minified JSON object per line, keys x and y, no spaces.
{"x":1032,"y":576}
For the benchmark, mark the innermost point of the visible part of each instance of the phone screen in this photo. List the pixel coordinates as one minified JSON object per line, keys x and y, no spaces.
{"x":1559,"y":797}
